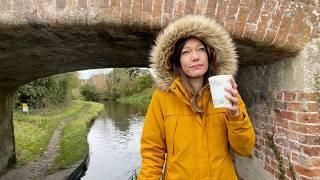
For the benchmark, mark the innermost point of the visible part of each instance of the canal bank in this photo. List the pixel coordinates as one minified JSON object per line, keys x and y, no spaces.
{"x":44,"y":142}
{"x":119,"y":159}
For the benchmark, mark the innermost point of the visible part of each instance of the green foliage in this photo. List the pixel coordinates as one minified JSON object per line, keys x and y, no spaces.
{"x":89,"y":92}
{"x":119,"y":83}
{"x":32,"y":93}
{"x":143,"y":98}
{"x":125,"y":82}
{"x":133,"y":72}
{"x":72,"y":80}
{"x":144,"y":81}
{"x":46,"y":91}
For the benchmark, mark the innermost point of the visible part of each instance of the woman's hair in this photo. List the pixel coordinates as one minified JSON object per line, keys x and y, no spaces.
{"x":176,"y":70}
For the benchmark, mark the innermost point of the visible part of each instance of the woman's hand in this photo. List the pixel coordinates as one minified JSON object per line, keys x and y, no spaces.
{"x":232,"y":96}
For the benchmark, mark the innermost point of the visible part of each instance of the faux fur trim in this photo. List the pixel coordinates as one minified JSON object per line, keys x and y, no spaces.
{"x":210,"y":32}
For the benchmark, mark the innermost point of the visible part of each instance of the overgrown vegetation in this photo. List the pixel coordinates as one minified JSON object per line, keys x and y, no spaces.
{"x":47,"y":91}
{"x":125,"y":82}
{"x":89,"y":93}
{"x":120,"y":82}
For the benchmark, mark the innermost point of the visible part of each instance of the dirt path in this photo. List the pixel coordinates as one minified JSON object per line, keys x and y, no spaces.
{"x":60,"y":175}
{"x":38,"y":169}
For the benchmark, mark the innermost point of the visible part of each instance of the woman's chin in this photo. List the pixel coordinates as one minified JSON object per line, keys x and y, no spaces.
{"x":196,"y":74}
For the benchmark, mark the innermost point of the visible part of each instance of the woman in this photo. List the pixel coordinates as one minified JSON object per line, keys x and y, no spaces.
{"x":182,"y":121}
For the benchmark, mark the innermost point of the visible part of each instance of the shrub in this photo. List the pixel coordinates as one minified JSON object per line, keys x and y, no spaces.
{"x":144,"y":81}
{"x":50,"y":90}
{"x":89,"y":93}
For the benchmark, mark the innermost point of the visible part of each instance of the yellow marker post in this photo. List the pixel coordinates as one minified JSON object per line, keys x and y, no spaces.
{"x":25,"y":107}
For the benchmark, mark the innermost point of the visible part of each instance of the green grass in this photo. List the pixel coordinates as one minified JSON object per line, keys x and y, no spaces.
{"x":33,"y":132}
{"x":73,"y":144}
{"x":143,"y":98}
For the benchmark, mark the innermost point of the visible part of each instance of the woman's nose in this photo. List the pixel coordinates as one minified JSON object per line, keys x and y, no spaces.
{"x":195,"y":56}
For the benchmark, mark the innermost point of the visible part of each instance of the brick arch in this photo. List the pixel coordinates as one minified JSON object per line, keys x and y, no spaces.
{"x":284,"y":24}
{"x":280,"y":24}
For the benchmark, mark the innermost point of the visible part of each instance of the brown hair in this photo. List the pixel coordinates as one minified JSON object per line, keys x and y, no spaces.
{"x":176,"y":70}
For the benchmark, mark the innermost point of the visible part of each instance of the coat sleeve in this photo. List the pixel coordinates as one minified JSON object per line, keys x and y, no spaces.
{"x":153,"y":146}
{"x":241,"y":135}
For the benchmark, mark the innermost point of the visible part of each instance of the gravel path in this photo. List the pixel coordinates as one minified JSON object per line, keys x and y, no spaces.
{"x":38,"y":169}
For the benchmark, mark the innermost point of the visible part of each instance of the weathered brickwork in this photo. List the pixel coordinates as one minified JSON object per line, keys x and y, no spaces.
{"x":294,"y":120}
{"x":283,"y":24}
{"x":281,"y":98}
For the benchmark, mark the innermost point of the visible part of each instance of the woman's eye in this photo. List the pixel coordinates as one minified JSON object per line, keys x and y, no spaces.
{"x":185,"y":52}
{"x":202,"y":49}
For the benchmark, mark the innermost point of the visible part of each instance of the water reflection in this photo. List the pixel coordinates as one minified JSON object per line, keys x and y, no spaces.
{"x":114,"y":142}
{"x":121,"y":114}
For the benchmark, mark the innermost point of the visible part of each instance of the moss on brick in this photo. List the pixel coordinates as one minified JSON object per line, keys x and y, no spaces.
{"x":277,"y":155}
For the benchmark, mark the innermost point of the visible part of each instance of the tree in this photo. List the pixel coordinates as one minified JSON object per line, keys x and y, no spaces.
{"x":125,"y":82}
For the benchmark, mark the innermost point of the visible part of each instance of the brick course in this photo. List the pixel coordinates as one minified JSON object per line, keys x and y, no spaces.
{"x":296,"y":134}
{"x":276,"y":23}
{"x":282,"y":24}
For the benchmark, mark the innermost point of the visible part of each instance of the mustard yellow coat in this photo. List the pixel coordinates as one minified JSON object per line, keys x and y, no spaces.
{"x":195,"y":146}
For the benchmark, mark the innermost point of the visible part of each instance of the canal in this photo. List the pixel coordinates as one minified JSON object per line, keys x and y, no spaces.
{"x":114,"y":142}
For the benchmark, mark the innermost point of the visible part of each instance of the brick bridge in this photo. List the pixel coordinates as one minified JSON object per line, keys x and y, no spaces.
{"x":278,"y":42}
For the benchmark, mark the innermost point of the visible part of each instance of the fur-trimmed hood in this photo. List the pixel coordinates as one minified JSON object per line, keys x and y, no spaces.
{"x":208,"y":31}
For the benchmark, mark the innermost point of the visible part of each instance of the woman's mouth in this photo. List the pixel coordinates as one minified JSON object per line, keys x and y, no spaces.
{"x":197,"y":66}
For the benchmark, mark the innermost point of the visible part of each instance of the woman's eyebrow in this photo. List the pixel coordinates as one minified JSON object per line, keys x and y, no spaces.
{"x":198,"y":45}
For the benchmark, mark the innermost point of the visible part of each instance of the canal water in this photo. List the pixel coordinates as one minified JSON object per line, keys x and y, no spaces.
{"x":114,"y":142}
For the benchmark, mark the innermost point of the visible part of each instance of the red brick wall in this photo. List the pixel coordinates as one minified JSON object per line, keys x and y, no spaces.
{"x":285,"y":24}
{"x":295,"y":120}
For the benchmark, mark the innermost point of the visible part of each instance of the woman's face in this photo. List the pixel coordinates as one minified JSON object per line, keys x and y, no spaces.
{"x":194,"y":58}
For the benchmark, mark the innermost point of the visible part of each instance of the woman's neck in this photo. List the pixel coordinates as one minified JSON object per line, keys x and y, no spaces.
{"x":196,"y":83}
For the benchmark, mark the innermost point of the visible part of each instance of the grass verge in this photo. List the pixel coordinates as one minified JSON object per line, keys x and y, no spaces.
{"x":143,"y":98}
{"x":73,"y":142}
{"x":33,"y":132}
